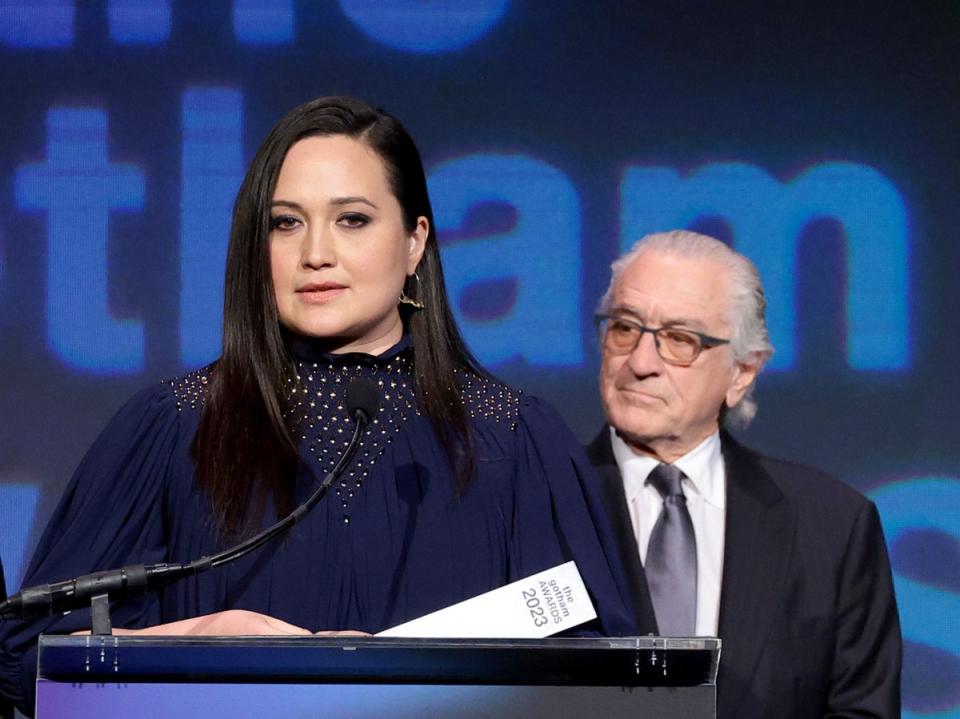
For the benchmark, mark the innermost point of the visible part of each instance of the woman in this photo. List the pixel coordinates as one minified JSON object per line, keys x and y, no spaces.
{"x":460,"y":484}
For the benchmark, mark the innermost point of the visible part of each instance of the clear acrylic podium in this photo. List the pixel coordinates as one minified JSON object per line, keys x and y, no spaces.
{"x":366,"y":677}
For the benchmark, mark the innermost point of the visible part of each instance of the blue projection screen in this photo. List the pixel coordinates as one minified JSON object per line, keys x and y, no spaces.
{"x":822,"y":143}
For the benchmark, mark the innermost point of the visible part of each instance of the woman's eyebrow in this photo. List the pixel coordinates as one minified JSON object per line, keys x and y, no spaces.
{"x":352,"y":199}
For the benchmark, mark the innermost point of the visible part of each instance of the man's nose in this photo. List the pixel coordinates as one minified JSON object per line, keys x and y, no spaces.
{"x":645,"y":359}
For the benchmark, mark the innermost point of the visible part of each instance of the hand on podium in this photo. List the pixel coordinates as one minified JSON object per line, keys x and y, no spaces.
{"x":232,"y":622}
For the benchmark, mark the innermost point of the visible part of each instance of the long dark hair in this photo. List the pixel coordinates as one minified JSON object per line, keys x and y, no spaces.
{"x":244,"y":451}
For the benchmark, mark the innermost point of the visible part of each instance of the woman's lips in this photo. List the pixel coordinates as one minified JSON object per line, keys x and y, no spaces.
{"x":319,"y":293}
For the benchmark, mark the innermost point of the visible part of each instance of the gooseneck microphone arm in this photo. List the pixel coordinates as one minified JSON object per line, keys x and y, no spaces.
{"x":362,"y":399}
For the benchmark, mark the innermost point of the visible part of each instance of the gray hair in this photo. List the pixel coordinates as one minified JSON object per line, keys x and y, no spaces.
{"x":750,"y":342}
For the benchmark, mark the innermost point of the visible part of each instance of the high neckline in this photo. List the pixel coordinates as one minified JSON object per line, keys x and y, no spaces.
{"x":312,"y":349}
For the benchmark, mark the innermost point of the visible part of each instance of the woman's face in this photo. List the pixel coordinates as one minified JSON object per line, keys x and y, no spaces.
{"x":339,"y":252}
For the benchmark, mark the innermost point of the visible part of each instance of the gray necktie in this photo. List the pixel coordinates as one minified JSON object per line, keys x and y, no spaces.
{"x":671,"y":565}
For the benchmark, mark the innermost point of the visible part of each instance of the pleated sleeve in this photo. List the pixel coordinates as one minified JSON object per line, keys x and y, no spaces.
{"x":559,"y":516}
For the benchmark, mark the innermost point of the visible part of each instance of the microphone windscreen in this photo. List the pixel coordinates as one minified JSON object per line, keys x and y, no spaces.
{"x":363,"y":397}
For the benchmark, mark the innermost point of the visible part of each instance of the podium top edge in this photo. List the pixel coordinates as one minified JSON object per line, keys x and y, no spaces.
{"x":650,"y":642}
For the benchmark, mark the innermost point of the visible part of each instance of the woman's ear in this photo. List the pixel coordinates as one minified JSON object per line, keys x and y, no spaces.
{"x":418,"y":243}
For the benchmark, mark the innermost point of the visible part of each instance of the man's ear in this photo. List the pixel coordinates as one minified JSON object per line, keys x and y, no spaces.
{"x":744,"y":375}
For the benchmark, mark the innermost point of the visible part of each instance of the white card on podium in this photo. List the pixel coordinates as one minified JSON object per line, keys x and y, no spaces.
{"x":538,"y":606}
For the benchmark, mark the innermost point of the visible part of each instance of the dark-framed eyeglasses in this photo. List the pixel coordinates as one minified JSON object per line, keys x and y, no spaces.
{"x":677,"y":346}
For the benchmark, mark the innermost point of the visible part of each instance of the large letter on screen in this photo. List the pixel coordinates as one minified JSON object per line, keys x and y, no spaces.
{"x":78,"y":187}
{"x":768,"y":217}
{"x":539,"y":254}
{"x":212,"y":166}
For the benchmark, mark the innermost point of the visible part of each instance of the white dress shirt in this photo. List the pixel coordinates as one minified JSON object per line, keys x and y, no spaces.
{"x":705,"y":487}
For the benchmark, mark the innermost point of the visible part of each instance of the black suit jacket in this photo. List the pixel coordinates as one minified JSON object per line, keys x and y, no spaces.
{"x":6,"y":709}
{"x":808,"y":617}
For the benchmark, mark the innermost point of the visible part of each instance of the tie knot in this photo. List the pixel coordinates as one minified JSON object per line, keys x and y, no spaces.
{"x":666,"y":478}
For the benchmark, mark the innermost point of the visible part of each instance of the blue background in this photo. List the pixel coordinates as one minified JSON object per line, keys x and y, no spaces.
{"x":821,"y":141}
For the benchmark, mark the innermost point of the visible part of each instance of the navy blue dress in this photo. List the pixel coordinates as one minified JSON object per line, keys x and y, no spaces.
{"x":392,"y":541}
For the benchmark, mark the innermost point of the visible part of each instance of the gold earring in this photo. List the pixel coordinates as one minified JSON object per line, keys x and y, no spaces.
{"x":404,"y":300}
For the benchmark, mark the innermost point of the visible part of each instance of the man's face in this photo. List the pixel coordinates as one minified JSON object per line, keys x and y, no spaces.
{"x":659,"y":408}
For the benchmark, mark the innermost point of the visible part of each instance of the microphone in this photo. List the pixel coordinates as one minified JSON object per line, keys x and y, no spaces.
{"x":362,"y":400}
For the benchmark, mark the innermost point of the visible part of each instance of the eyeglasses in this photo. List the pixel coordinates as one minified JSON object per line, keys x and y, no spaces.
{"x":679,"y":347}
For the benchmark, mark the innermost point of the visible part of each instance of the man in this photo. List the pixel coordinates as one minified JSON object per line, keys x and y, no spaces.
{"x":785,"y":564}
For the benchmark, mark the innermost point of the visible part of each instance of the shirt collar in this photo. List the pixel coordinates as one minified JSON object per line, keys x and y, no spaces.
{"x":312,"y":349}
{"x":702,"y":465}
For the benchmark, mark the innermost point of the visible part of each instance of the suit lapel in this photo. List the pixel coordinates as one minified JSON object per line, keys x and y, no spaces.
{"x":758,"y":543}
{"x":600,"y":452}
